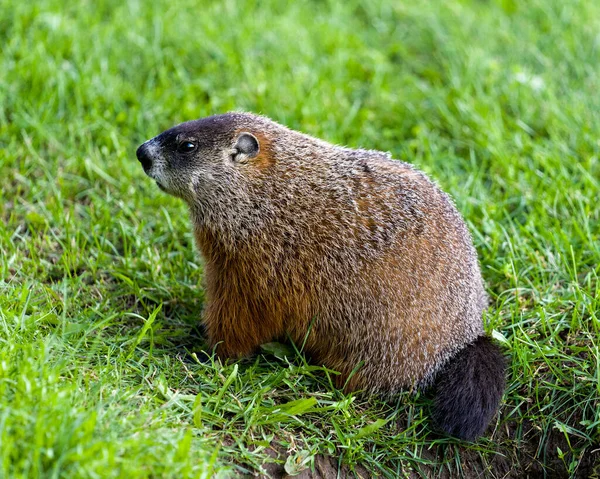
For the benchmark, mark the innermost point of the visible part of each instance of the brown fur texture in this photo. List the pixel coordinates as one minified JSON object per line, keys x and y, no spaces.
{"x":361,"y":255}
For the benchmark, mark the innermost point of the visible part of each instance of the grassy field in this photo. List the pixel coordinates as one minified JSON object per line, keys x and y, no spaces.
{"x":101,"y":366}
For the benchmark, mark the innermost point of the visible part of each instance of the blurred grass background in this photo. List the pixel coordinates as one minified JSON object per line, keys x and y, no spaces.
{"x":100,"y":285}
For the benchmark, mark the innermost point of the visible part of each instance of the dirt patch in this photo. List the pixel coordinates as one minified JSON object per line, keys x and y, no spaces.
{"x":514,"y":459}
{"x":540,"y":457}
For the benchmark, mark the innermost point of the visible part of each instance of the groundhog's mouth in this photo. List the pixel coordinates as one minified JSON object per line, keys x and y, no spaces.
{"x":159,"y":184}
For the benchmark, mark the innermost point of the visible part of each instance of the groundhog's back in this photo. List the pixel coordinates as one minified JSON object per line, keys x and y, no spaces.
{"x":400,"y":290}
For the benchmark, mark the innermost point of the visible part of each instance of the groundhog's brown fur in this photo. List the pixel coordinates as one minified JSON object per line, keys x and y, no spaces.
{"x":361,"y":256}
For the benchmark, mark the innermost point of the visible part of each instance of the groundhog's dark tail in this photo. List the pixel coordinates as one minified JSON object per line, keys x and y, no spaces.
{"x":468,"y":389}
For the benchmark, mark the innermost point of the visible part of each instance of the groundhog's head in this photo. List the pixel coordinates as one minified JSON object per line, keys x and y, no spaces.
{"x":198,"y":158}
{"x":218,"y":165}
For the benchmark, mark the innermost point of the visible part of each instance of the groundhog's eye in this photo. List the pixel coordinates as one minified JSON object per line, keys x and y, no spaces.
{"x":186,"y":147}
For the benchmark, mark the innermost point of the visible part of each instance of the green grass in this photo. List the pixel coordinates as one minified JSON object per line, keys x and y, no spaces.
{"x":101,"y":369}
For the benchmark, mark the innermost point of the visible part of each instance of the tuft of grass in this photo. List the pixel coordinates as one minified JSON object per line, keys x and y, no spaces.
{"x":102,"y":369}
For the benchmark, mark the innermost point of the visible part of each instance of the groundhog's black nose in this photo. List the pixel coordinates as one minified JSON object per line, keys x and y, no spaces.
{"x":144,"y":156}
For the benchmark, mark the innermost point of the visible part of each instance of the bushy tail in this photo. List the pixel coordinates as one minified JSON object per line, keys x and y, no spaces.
{"x":468,"y":389}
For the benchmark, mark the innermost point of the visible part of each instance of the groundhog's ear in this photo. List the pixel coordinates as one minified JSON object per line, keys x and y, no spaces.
{"x":246,"y":146}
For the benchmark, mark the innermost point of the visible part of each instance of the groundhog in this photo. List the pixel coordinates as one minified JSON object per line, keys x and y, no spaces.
{"x":360,"y":258}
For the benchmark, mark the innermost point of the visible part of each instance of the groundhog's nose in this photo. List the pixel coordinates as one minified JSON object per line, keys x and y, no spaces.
{"x":144,"y":156}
